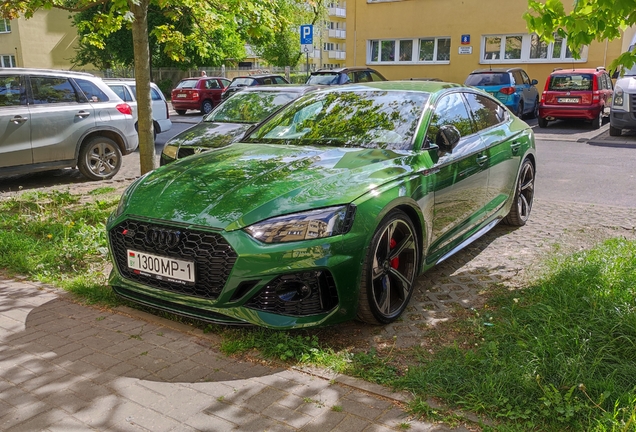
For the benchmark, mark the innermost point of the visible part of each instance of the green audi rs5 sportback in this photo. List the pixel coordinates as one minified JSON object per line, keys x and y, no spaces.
{"x":328,"y":210}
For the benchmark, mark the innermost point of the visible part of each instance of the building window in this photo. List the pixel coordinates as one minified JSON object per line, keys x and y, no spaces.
{"x":5,"y":26}
{"x":526,"y":48}
{"x":7,"y":61}
{"x":425,"y":50}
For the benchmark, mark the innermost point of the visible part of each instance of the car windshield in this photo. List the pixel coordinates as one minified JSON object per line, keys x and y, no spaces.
{"x":187,"y":84}
{"x":488,"y":79}
{"x":323,"y":79}
{"x":630,"y":72}
{"x":250,"y":107}
{"x":356,"y":118}
{"x":571,"y":82}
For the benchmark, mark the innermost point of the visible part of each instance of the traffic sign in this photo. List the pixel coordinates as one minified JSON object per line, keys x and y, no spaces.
{"x":306,"y":48}
{"x":306,"y":34}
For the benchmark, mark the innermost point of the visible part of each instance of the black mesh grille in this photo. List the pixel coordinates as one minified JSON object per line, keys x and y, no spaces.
{"x":323,"y":297}
{"x":213,"y":256}
{"x":185,"y":152}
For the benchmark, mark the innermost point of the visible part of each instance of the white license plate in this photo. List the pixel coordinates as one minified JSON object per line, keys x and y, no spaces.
{"x":182,"y":95}
{"x":163,"y":268}
{"x":568,"y":100}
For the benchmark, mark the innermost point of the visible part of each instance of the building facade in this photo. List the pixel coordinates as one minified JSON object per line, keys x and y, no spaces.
{"x":45,"y":41}
{"x":447,"y":40}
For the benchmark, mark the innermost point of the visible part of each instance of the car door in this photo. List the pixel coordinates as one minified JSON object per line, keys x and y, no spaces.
{"x":15,"y":122}
{"x":530,"y":92}
{"x":60,"y":115}
{"x":607,"y":92}
{"x":503,"y":148}
{"x":461,"y":180}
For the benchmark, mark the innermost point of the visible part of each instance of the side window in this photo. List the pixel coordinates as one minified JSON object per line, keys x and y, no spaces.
{"x":375,"y":77}
{"x":121,"y":91}
{"x":350,"y":78}
{"x":211,"y":84}
{"x":52,"y":90}
{"x":92,"y":92}
{"x":516,"y":75}
{"x":154,"y":94}
{"x":280,"y":80}
{"x":450,"y":110}
{"x":11,"y":91}
{"x":225,"y":83}
{"x":267,"y":81}
{"x":525,"y":77}
{"x":486,"y":112}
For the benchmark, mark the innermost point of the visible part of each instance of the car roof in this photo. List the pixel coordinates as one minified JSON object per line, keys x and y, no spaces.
{"x":296,"y":88}
{"x":258,"y":76}
{"x":198,"y":78}
{"x":40,"y":71}
{"x":582,"y":70}
{"x":496,"y":70}
{"x":343,"y":69}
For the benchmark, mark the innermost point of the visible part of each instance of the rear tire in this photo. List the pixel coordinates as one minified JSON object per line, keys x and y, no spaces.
{"x":99,"y":159}
{"x":535,"y":111}
{"x":598,"y":121}
{"x":543,"y":123}
{"x":389,"y":270}
{"x":524,"y":196}
{"x":520,"y":109}
{"x":181,"y":112}
{"x":614,"y":131}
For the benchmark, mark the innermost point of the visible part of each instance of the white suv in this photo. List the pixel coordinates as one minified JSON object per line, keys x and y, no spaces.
{"x":52,"y":119}
{"x":126,"y":89}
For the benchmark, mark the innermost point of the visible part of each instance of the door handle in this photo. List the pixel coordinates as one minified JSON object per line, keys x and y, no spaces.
{"x":82,"y":114}
{"x":481,"y":159}
{"x":18,"y":119}
{"x":515,"y":146}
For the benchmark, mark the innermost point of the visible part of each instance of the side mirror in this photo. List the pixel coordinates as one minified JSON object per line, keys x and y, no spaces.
{"x":534,"y":82}
{"x":447,"y":138}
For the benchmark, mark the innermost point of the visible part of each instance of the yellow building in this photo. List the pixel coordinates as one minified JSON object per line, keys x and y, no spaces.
{"x":448,"y":39}
{"x":45,"y":41}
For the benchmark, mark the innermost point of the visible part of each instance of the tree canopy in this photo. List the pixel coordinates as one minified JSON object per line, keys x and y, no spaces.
{"x":586,"y":21}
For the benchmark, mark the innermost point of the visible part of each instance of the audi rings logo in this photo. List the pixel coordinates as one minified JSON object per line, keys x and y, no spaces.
{"x":162,"y":238}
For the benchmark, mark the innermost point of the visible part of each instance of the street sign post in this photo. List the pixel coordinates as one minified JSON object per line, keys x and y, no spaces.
{"x":307,"y":41}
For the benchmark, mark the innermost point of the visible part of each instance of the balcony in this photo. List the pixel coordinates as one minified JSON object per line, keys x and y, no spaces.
{"x":339,"y":12}
{"x":338,"y":34}
{"x":338,"y":55}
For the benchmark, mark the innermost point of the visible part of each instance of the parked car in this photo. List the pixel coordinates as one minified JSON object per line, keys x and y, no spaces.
{"x":53,"y":119}
{"x":230,"y":121}
{"x":511,"y":86}
{"x":328,"y":210}
{"x":576,"y":94}
{"x":126,"y":89}
{"x":198,"y":93}
{"x":344,"y":75}
{"x":623,"y":106}
{"x":241,"y":82}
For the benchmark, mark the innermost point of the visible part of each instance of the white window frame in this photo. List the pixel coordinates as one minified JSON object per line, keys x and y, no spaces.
{"x":526,"y":47}
{"x":7,"y":26}
{"x":11,"y":62}
{"x":415,"y":51}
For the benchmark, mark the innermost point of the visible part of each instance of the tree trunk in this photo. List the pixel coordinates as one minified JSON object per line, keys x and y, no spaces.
{"x":142,"y":78}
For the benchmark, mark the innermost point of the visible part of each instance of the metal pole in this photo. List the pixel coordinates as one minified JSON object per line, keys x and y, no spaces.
{"x":307,"y":64}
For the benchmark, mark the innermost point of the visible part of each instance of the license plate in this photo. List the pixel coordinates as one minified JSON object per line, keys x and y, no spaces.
{"x":162,"y":268}
{"x":568,"y":100}
{"x":182,"y":95}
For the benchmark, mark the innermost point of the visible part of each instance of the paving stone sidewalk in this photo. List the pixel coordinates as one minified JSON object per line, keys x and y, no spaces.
{"x":68,"y":367}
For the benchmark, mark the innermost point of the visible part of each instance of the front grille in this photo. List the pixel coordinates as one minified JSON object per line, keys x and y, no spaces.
{"x":632,"y":103}
{"x":323,"y":295}
{"x":213,"y":256}
{"x":185,"y":152}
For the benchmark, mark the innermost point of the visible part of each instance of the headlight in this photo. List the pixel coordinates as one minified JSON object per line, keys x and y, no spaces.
{"x":171,"y":151}
{"x":619,"y":97}
{"x":314,"y":224}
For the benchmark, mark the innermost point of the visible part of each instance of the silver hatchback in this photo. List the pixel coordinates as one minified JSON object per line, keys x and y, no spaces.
{"x":53,"y":119}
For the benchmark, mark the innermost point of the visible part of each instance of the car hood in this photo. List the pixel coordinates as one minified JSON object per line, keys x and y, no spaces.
{"x":241,"y":184}
{"x":209,"y":135}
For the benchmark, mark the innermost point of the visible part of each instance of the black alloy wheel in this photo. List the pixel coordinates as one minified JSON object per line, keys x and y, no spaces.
{"x":389,"y":270}
{"x":524,"y":196}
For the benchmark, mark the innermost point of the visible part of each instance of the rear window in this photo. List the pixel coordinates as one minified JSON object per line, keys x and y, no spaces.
{"x":188,"y":84}
{"x":323,"y":79}
{"x":488,"y":79}
{"x":242,"y":82}
{"x":571,"y":82}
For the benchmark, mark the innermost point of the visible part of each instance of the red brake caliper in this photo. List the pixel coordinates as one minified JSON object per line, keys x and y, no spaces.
{"x":395,"y":262}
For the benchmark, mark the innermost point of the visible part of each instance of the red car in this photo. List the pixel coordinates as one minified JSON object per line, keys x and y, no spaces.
{"x":576,"y":94}
{"x":201,"y":94}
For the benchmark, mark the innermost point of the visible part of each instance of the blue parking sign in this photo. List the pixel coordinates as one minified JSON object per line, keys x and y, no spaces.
{"x":306,"y":34}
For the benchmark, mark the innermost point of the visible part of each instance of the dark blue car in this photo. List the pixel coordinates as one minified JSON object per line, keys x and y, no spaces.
{"x":511,"y":86}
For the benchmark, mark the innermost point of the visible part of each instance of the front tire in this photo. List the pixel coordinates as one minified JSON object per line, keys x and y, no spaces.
{"x":206,"y":106}
{"x":524,"y":196}
{"x":389,"y":270}
{"x":535,"y":111}
{"x":99,"y":159}
{"x":614,"y":131}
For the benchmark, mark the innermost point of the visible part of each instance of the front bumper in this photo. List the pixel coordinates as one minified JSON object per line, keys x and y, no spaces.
{"x":623,"y":119}
{"x":257,"y":286}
